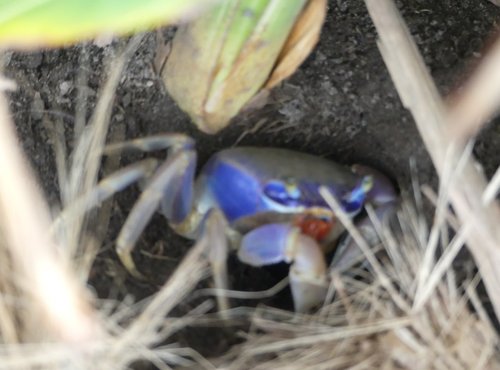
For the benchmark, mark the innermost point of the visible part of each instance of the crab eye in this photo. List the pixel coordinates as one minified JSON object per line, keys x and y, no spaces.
{"x":285,"y":193}
{"x":353,"y":202}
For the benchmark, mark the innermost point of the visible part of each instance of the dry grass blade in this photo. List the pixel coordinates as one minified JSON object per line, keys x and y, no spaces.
{"x":150,"y":323}
{"x":493,"y":188}
{"x":365,"y":248}
{"x":47,"y":320}
{"x":334,"y":334}
{"x":193,"y":268}
{"x":302,"y":40}
{"x":60,"y":301}
{"x":87,"y":154}
{"x":372,"y":332}
{"x":479,"y":99}
{"x":420,"y":96}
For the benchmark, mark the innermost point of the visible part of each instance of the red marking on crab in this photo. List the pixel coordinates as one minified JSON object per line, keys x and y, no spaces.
{"x":314,"y":227}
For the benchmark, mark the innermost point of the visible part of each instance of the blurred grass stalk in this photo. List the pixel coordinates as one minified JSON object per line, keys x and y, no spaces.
{"x":447,"y":141}
{"x":65,"y":313}
{"x":48,"y":318}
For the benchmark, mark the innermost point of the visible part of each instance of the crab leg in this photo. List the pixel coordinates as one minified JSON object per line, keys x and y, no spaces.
{"x":177,"y":204}
{"x":172,"y":187}
{"x":107,"y":187}
{"x":173,"y":141}
{"x":177,"y":171}
{"x":281,"y":242}
{"x":213,"y":231}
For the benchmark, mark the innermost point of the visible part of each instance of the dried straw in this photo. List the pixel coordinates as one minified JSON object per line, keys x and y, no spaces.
{"x":458,"y":171}
{"x":368,"y":329}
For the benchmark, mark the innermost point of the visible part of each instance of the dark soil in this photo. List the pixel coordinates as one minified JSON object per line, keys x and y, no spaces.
{"x":341,"y":104}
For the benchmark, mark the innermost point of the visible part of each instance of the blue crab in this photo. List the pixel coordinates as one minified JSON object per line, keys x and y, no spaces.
{"x":264,"y":202}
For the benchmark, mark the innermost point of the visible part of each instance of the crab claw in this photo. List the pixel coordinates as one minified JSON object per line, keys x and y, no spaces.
{"x":382,"y":190}
{"x":348,"y":253}
{"x":274,"y":243}
{"x":382,"y":196}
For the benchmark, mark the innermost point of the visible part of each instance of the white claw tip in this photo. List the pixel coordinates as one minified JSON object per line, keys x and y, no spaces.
{"x":307,"y":294}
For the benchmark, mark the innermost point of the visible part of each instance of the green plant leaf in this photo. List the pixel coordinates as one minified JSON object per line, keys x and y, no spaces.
{"x":223,"y":58}
{"x":39,"y":23}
